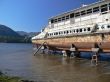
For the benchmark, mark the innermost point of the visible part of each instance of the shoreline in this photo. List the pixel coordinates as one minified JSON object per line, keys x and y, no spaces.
{"x":7,"y":78}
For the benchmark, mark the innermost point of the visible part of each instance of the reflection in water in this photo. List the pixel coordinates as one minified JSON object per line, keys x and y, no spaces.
{"x":17,"y":60}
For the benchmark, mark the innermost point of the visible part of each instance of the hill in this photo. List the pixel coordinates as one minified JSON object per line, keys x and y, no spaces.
{"x":28,"y":34}
{"x":6,"y":31}
{"x":8,"y":35}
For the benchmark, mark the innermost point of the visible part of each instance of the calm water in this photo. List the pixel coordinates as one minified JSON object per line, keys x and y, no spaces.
{"x":17,"y":60}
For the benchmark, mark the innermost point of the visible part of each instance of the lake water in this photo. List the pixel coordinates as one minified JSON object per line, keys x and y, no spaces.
{"x":18,"y":60}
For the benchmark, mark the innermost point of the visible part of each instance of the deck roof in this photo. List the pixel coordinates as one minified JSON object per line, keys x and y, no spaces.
{"x":77,"y":9}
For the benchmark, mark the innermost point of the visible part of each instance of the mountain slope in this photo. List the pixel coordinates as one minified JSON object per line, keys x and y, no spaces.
{"x":8,"y":35}
{"x":6,"y":31}
{"x":29,"y":34}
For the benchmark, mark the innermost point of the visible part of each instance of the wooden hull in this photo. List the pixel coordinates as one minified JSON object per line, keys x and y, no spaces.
{"x":82,"y":43}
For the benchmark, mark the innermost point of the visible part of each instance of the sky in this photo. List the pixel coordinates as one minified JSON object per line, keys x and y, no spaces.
{"x":33,"y":15}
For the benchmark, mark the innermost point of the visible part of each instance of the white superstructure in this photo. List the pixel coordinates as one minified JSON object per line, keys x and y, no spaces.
{"x":93,"y":18}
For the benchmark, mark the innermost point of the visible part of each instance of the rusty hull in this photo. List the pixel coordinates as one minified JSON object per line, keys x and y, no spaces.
{"x":82,"y":43}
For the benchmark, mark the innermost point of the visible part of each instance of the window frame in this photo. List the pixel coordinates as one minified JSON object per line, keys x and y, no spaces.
{"x":89,"y":11}
{"x":104,"y":8}
{"x":83,"y":12}
{"x":96,"y":9}
{"x":77,"y":14}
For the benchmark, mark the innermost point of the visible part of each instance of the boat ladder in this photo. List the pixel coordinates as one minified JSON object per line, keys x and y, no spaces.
{"x":95,"y":54}
{"x":39,"y":49}
{"x":94,"y":59}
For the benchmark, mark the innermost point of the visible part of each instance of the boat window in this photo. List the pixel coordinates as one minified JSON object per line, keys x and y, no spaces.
{"x":67,"y":17}
{"x":83,"y":12}
{"x":96,"y":9}
{"x":89,"y":11}
{"x":59,"y":33}
{"x":77,"y":30}
{"x":52,"y":34}
{"x":64,"y":32}
{"x":56,"y":33}
{"x":52,"y":20}
{"x":108,"y":26}
{"x":73,"y":31}
{"x":67,"y":31}
{"x":70,"y":31}
{"x":59,"y":19}
{"x":72,"y":15}
{"x":63,"y":18}
{"x":84,"y":29}
{"x":80,"y":30}
{"x":88,"y":29}
{"x":104,"y":8}
{"x":55,"y":20}
{"x":77,"y":14}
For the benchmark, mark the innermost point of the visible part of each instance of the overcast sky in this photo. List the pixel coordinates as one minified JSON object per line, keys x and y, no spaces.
{"x":32,"y":15}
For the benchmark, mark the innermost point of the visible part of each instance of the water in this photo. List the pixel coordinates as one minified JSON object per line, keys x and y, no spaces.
{"x":18,"y":60}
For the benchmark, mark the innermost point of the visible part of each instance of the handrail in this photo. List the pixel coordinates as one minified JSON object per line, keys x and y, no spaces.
{"x":39,"y":48}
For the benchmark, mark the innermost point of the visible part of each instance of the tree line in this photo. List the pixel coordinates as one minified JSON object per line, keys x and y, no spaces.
{"x":15,"y":39}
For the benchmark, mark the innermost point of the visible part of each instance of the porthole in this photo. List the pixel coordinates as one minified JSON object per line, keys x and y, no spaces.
{"x":67,"y":32}
{"x":88,"y":29}
{"x":74,"y":31}
{"x":56,"y":33}
{"x":84,"y":29}
{"x":64,"y":32}
{"x":77,"y":30}
{"x":108,"y":26}
{"x":70,"y":31}
{"x":80,"y":30}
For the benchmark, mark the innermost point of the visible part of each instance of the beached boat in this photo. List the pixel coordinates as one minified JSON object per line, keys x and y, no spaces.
{"x":81,"y":29}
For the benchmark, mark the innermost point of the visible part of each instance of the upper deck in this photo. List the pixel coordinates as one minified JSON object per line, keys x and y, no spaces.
{"x":83,"y":20}
{"x":98,"y":7}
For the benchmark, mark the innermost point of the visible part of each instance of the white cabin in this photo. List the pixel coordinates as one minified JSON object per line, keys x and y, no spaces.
{"x":93,"y":18}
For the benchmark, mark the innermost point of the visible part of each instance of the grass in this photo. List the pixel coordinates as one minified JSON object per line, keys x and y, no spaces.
{"x":4,"y":78}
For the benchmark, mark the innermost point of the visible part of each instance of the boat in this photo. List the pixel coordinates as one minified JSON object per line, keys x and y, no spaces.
{"x":83,"y":29}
